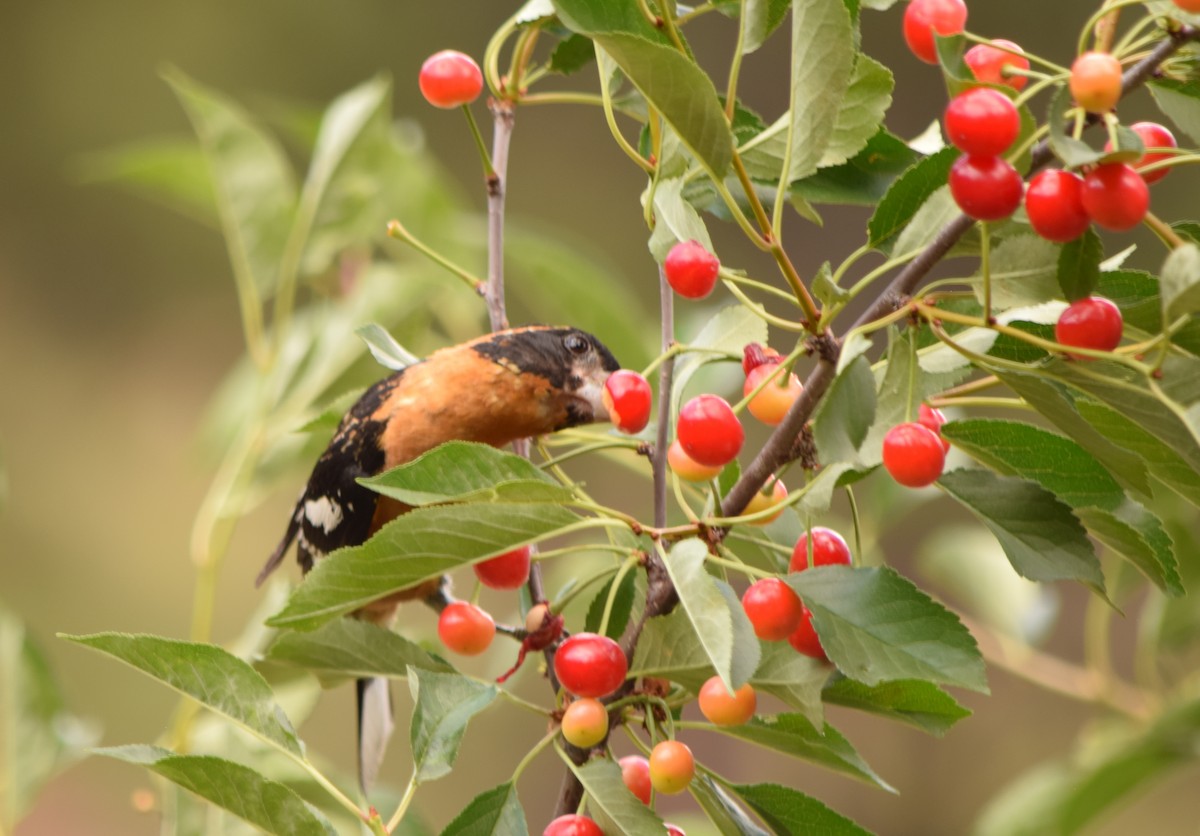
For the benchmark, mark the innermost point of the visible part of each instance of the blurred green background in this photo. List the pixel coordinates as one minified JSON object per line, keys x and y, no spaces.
{"x":118,"y":319}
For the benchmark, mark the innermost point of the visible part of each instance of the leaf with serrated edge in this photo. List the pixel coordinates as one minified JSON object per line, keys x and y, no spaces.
{"x":794,"y":678}
{"x":207,"y":673}
{"x":1079,"y":265}
{"x":920,"y":704}
{"x":906,"y":195}
{"x":1024,"y":271}
{"x":861,"y":113}
{"x":845,"y":414}
{"x":1181,"y":282}
{"x":711,"y":614}
{"x":444,"y":704}
{"x":822,"y":63}
{"x":876,"y":626}
{"x":790,"y":812}
{"x":352,"y":647}
{"x":496,"y":812}
{"x":1041,"y":537}
{"x":266,"y":804}
{"x":610,"y":802}
{"x":418,"y":546}
{"x":795,"y":736}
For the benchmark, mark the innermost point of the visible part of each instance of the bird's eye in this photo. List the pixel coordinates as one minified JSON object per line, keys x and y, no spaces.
{"x":576,"y":344}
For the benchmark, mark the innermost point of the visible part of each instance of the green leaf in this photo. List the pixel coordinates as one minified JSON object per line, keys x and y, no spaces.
{"x":252,"y":797}
{"x":906,"y":195}
{"x":622,"y":607}
{"x":676,"y":220}
{"x":171,"y":172}
{"x":610,"y":802}
{"x":726,"y":333}
{"x":670,"y":81}
{"x":1079,"y":266}
{"x":822,"y":63}
{"x":845,"y":414}
{"x":795,"y":736}
{"x":920,"y":704}
{"x":251,"y":177}
{"x":669,"y":648}
{"x":876,"y":626}
{"x":384,"y":348}
{"x":462,"y":471}
{"x":721,"y":624}
{"x":1073,"y":152}
{"x":572,"y":54}
{"x":759,"y":20}
{"x":352,"y":647}
{"x":928,"y":221}
{"x":789,"y":812}
{"x":1067,"y":470}
{"x":38,"y":736}
{"x":1181,"y":282}
{"x":496,"y":812}
{"x":722,"y":810}
{"x":208,"y":674}
{"x":794,"y":678}
{"x":1024,"y":272}
{"x":867,"y":99}
{"x":444,"y":704}
{"x":1041,"y":537}
{"x":1180,"y":101}
{"x":415,"y":547}
{"x":864,"y":179}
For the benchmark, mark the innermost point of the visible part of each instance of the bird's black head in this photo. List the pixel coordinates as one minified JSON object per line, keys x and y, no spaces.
{"x":575,"y":363}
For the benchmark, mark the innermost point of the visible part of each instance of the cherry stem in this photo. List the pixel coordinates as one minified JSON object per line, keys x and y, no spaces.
{"x":399,"y":232}
{"x":1164,"y":231}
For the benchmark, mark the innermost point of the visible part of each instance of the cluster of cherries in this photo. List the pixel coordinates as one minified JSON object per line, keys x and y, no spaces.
{"x":983,"y":123}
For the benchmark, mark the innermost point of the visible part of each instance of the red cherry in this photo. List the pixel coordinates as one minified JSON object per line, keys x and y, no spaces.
{"x":691,"y":269}
{"x":709,"y":431}
{"x":687,"y":468}
{"x":1188,"y":5}
{"x":627,"y":398}
{"x":1115,"y":196}
{"x":828,"y":548}
{"x":761,"y":502}
{"x":671,"y":767}
{"x":927,"y":416}
{"x":585,"y":723}
{"x":985,"y":188}
{"x":805,"y":639}
{"x":982,"y":121}
{"x":674,"y":830}
{"x":572,"y":825}
{"x":505,"y":571}
{"x":1153,"y":135}
{"x":723,"y":708}
{"x":773,"y":400}
{"x":589,"y":665}
{"x":1093,"y":322}
{"x":913,"y":454}
{"x":635,"y":772}
{"x":988,"y":63}
{"x":1054,"y":204}
{"x":924,"y":17}
{"x":773,"y":609}
{"x":449,"y":79}
{"x":1096,"y":81}
{"x":465,"y":628}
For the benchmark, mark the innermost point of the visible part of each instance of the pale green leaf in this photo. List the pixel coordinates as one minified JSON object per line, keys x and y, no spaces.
{"x":794,"y":678}
{"x":1181,"y":282}
{"x":721,"y":808}
{"x":610,"y":802}
{"x":917,"y":703}
{"x":352,"y":647}
{"x":384,"y":348}
{"x":266,"y":804}
{"x":727,"y":333}
{"x":845,"y":414}
{"x":1179,"y":99}
{"x":867,"y":99}
{"x":444,"y":704}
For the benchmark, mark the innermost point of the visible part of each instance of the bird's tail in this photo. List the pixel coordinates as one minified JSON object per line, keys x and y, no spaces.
{"x":375,"y":727}
{"x":288,"y":536}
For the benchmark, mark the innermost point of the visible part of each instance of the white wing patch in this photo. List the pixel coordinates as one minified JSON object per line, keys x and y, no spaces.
{"x":323,"y":513}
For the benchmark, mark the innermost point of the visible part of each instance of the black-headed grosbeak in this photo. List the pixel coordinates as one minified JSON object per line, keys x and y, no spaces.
{"x":495,"y":389}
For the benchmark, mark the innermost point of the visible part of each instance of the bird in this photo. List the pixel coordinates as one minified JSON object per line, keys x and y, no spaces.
{"x":495,"y":389}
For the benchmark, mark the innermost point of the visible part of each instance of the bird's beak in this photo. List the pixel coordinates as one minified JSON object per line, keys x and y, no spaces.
{"x":590,"y":395}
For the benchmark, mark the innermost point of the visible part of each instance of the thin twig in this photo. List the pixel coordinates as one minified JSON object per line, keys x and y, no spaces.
{"x":503,"y":119}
